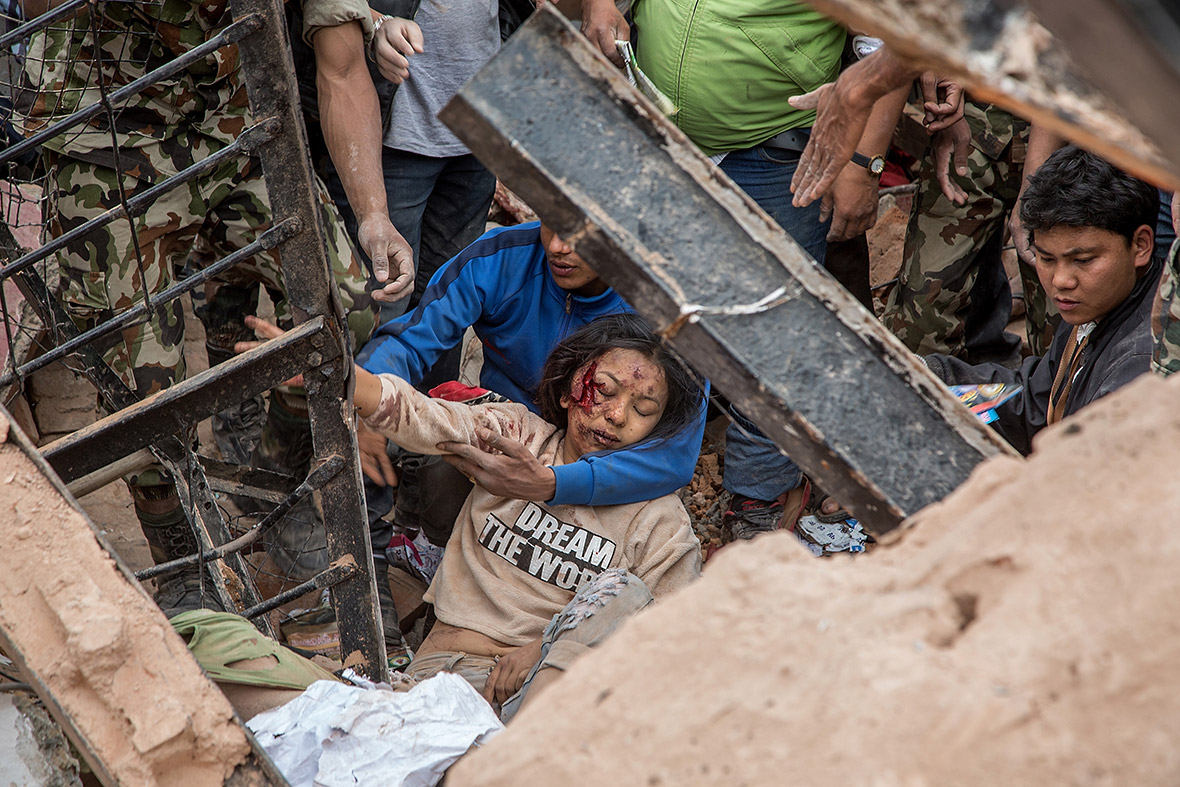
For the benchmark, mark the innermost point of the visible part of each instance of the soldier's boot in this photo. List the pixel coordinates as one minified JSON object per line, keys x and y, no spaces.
{"x":298,"y":544}
{"x":222,"y":309}
{"x":237,"y":430}
{"x":396,"y":649}
{"x":170,"y":536}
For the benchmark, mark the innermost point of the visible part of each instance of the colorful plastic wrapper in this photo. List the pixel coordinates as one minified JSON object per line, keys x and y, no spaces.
{"x":984,"y":399}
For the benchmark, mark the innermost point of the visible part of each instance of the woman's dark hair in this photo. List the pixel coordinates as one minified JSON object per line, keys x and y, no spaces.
{"x":1074,"y":188}
{"x":623,"y":332}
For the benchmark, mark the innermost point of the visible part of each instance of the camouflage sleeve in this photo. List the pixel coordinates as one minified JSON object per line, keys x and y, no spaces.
{"x":1165,"y":318}
{"x":330,"y":13}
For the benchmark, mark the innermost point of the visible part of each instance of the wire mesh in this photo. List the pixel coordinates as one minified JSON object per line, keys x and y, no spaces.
{"x":69,"y":79}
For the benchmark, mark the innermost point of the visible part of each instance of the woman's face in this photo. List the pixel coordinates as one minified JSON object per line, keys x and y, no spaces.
{"x":614,"y":401}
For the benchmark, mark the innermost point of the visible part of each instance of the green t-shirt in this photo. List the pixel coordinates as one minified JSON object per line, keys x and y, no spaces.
{"x":731,"y":65}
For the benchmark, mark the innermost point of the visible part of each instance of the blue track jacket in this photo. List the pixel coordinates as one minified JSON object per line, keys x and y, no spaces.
{"x":501,"y":287}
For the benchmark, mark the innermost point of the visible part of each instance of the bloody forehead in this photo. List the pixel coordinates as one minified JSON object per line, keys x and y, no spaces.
{"x":583,"y":389}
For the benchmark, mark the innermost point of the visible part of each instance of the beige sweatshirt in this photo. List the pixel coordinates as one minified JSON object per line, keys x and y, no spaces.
{"x":511,"y":565}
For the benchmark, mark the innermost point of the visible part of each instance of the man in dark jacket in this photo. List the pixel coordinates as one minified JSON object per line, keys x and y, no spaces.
{"x":1092,"y":229}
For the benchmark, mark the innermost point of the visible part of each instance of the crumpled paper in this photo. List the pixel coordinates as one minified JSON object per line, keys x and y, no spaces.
{"x":821,"y":537}
{"x":336,"y":735}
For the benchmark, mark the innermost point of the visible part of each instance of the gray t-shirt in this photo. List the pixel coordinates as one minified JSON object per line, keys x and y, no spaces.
{"x":459,"y":37}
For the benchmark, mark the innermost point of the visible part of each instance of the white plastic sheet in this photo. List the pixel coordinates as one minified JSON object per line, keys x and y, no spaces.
{"x":336,"y":735}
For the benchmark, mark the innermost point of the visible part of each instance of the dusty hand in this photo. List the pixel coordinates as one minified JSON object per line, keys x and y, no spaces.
{"x":951,"y":148}
{"x":510,"y":671}
{"x":389,"y":253}
{"x":941,"y":111}
{"x":375,"y":462}
{"x":502,"y":466}
{"x":838,"y":127}
{"x":603,"y":25}
{"x":267,"y":331}
{"x":396,"y":41}
{"x":852,"y":203}
{"x":1019,"y":237}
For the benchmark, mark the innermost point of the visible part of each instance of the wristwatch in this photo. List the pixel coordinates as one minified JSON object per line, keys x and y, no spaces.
{"x":875,"y":165}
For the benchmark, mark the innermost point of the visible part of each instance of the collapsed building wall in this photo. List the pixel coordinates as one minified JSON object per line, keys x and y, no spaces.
{"x":98,"y":650}
{"x":1026,"y":630}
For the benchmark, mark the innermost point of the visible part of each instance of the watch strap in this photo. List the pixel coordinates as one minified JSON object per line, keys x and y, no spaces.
{"x":864,"y":161}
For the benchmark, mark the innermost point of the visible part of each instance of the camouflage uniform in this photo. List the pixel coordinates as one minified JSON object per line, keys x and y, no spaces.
{"x":1165,"y":317}
{"x":945,"y":242}
{"x":158,"y":133}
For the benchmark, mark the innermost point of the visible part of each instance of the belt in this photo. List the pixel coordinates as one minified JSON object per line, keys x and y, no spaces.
{"x":795,"y":139}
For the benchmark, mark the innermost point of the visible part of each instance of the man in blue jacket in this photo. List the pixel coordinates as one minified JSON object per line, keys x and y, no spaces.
{"x":522,"y":290}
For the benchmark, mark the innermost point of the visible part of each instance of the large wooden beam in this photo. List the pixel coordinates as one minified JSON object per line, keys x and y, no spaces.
{"x":312,"y":292}
{"x":175,"y":409}
{"x":736,"y":296}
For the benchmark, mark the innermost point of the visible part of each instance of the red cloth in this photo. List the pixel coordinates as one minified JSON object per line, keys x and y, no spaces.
{"x":455,"y":391}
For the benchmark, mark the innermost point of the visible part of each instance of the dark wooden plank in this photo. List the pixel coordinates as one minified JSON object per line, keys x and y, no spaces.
{"x":774,"y":332}
{"x":175,"y":409}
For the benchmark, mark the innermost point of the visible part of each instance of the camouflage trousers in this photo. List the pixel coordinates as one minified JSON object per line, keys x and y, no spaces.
{"x":1165,"y":317}
{"x":109,"y":270}
{"x":947,"y":244}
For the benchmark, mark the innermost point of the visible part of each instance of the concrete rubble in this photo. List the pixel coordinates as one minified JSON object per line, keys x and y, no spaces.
{"x":1026,"y":630}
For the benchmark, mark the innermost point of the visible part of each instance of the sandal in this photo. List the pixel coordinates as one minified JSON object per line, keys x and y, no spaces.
{"x":792,"y":511}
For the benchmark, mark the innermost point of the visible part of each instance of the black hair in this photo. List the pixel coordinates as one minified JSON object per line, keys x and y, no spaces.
{"x":1074,"y":188}
{"x":623,"y":332}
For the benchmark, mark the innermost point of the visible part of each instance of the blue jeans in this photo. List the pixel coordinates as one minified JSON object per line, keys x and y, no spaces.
{"x":755,"y":466}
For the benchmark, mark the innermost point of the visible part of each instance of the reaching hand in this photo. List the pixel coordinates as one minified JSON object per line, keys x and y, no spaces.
{"x":502,"y":466}
{"x":603,"y":25}
{"x":941,"y":111}
{"x":507,"y":677}
{"x":838,"y":127}
{"x":375,"y":462}
{"x":383,"y":243}
{"x":842,"y":112}
{"x":952,"y":146}
{"x":395,"y":42}
{"x":267,"y":331}
{"x":1024,"y":251}
{"x":853,"y":203}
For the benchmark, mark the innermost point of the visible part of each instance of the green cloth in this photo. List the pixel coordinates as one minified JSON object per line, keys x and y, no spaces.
{"x":219,"y":640}
{"x":731,"y":65}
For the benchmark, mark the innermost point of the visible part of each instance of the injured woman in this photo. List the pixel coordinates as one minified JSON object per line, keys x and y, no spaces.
{"x":526,"y":587}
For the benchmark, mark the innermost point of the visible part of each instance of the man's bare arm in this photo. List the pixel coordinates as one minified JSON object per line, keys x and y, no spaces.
{"x":350,"y":117}
{"x":843,"y":110}
{"x":853,"y":201}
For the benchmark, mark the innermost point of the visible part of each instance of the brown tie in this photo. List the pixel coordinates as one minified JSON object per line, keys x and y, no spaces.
{"x":1071,"y":361}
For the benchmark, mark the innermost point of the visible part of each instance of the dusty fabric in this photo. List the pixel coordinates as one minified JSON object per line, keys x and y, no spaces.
{"x":219,"y":640}
{"x":330,"y":13}
{"x":511,"y":565}
{"x":600,"y":607}
{"x":473,"y":669}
